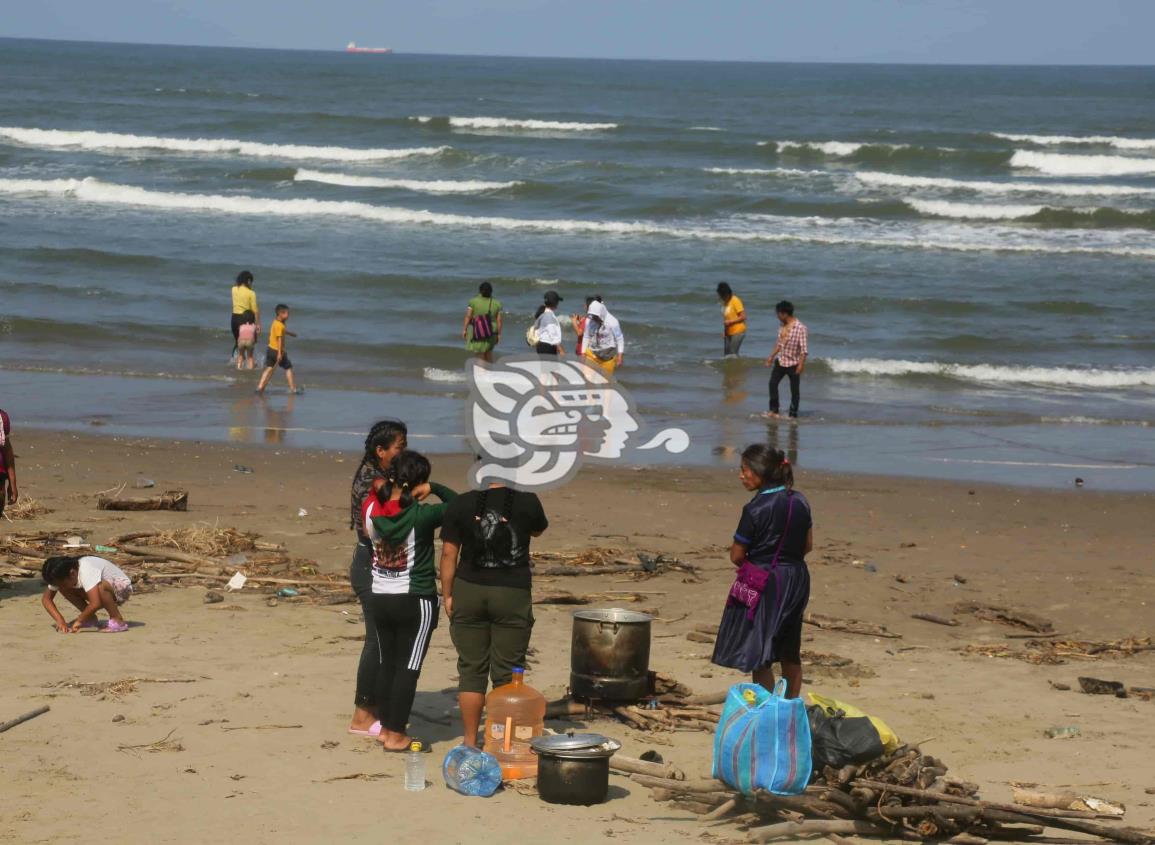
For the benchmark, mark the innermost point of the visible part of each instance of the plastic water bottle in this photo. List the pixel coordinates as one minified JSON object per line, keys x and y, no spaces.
{"x":471,"y":771}
{"x":415,"y":768}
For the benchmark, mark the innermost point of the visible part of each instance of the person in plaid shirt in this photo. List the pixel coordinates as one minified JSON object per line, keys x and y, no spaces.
{"x":788,"y":357}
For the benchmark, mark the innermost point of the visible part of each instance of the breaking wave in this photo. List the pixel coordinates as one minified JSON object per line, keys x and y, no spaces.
{"x":1080,"y":140}
{"x":1069,"y":189}
{"x":994,"y":373}
{"x":439,"y":186}
{"x":514,"y":124}
{"x":118,"y":141}
{"x":750,"y":228}
{"x":1059,"y":164}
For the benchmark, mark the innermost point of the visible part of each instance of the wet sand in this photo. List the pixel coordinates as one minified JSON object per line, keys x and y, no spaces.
{"x":884,"y":548}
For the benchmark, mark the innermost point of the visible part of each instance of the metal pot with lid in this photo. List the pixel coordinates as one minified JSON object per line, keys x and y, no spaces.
{"x":610,"y":655}
{"x":574,"y":768}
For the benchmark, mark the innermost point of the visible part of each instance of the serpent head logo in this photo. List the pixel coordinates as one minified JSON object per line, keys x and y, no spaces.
{"x":533,"y":421}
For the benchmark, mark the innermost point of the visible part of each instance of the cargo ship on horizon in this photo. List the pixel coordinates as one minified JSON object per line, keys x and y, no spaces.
{"x":353,"y":48}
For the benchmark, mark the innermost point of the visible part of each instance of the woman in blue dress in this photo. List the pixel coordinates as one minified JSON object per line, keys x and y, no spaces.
{"x":762,"y":621}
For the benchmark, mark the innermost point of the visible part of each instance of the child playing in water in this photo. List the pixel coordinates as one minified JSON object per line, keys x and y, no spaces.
{"x":276,"y":355}
{"x":91,"y":583}
{"x":246,"y":340}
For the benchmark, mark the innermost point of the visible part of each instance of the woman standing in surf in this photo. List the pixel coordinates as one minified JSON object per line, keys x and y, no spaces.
{"x":482,"y":327}
{"x":244,"y":299}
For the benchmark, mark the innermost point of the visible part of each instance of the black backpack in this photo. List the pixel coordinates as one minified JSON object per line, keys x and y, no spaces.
{"x":492,"y":533}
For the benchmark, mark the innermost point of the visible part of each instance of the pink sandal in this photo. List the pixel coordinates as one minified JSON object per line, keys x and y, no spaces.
{"x":114,"y":627}
{"x":374,"y":730}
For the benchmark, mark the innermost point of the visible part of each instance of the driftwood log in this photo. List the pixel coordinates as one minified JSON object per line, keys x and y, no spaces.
{"x":937,"y":620}
{"x":630,"y":765}
{"x":172,"y":500}
{"x":612,"y":569}
{"x":20,"y":720}
{"x":849,"y":626}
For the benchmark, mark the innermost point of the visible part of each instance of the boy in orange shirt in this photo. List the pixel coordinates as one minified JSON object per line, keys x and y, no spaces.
{"x":276,"y":355}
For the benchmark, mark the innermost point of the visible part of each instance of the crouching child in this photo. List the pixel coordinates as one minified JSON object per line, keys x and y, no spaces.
{"x":91,"y":584}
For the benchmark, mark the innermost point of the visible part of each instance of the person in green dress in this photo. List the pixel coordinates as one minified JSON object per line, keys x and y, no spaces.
{"x":482,"y":326}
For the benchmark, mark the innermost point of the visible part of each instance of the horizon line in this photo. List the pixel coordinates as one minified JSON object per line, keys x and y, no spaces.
{"x":395,"y":52}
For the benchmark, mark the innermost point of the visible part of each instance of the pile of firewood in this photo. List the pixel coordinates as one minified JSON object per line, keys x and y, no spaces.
{"x":673,"y":707}
{"x":904,"y":795}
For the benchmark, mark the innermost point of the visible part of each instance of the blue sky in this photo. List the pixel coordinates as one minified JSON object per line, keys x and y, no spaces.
{"x":935,"y":31}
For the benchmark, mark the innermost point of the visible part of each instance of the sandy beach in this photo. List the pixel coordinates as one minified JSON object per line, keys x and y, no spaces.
{"x":257,"y":746}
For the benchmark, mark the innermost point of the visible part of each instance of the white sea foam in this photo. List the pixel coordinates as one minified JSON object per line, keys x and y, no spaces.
{"x":706,"y":129}
{"x":117,"y":141}
{"x":1087,"y":140}
{"x":439,"y":186}
{"x":972,"y":211}
{"x":1058,"y":164}
{"x":994,"y":373}
{"x":1068,"y":189}
{"x":448,"y":376}
{"x":766,"y":171}
{"x":523,"y":124}
{"x":750,"y":228}
{"x":834,"y":149}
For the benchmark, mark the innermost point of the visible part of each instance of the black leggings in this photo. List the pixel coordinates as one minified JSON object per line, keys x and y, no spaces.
{"x":237,"y":321}
{"x":776,"y":375}
{"x":545,"y":348}
{"x":405,"y":624}
{"x":361,"y":580}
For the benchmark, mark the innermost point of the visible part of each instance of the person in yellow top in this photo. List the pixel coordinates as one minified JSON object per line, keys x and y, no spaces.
{"x":276,"y":355}
{"x":733,"y":320}
{"x":244,"y":299}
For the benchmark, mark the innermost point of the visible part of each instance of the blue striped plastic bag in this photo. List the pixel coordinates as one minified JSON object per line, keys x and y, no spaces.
{"x":763,"y":741}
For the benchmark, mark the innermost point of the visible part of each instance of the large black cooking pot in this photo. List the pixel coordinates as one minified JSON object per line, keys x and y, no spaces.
{"x":574,"y":768}
{"x":610,"y":655}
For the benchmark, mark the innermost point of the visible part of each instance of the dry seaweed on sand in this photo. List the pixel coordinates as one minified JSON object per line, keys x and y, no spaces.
{"x":202,"y":538}
{"x":26,"y":508}
{"x":117,"y":688}
{"x":167,"y":743}
{"x":1057,"y":652}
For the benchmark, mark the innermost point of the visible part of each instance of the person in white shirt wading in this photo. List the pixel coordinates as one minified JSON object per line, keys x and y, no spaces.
{"x":547,"y":326}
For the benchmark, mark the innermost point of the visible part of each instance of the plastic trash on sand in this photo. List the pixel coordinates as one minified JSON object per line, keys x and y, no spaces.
{"x":471,"y":772}
{"x":237,"y":582}
{"x":287,"y":592}
{"x":302,"y":512}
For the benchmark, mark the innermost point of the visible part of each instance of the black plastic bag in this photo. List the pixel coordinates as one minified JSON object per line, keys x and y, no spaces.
{"x":838,"y":740}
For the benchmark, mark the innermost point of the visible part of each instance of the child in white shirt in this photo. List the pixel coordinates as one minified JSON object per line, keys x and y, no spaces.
{"x":91,"y":583}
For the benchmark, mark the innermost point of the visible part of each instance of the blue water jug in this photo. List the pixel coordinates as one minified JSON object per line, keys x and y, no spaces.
{"x":471,"y":772}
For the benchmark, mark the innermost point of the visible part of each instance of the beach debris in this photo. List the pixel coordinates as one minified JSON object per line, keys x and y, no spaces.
{"x":287,"y":592}
{"x":26,"y":508}
{"x":562,"y":597}
{"x":959,"y":579}
{"x":637,"y":766}
{"x":1056,"y":652}
{"x":172,"y":500}
{"x":1094,"y":686}
{"x":1063,"y":732}
{"x":119,"y":717}
{"x":356,"y":776}
{"x":1079,"y":482}
{"x":937,"y":620}
{"x":202,"y":538}
{"x":213,"y":597}
{"x":167,"y":743}
{"x":848,"y":626}
{"x":118,"y":688}
{"x":302,"y":512}
{"x":260,"y":727}
{"x":1061,"y":687}
{"x":241,"y":468}
{"x":903,"y":794}
{"x":610,"y":561}
{"x":1067,"y":801}
{"x":23,"y":717}
{"x":142,"y":483}
{"x":1006,"y":616}
{"x":237,"y":582}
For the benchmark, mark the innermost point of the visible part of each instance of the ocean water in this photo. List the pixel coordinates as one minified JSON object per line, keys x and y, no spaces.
{"x":972,"y":248}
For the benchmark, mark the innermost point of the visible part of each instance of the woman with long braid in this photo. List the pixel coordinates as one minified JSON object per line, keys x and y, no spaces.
{"x":385,"y":441}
